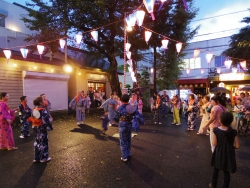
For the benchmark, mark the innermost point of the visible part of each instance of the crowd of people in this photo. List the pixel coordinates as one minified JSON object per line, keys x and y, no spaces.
{"x":216,"y":112}
{"x":39,"y":118}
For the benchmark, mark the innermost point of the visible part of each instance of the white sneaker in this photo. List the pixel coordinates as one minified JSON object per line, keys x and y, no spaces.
{"x":45,"y":160}
{"x":110,"y":124}
{"x":21,"y":136}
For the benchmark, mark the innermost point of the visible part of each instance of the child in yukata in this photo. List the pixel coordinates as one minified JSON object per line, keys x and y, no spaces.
{"x":88,"y":103}
{"x":24,"y":114}
{"x":105,"y":121}
{"x":140,"y":105}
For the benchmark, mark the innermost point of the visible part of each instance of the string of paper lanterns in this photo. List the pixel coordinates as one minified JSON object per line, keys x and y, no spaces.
{"x":228,"y":62}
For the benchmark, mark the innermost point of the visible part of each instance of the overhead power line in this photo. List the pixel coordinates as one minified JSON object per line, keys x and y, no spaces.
{"x":216,"y":32}
{"x":219,"y":15}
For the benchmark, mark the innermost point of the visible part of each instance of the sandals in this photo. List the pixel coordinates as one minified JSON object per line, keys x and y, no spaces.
{"x":13,"y":148}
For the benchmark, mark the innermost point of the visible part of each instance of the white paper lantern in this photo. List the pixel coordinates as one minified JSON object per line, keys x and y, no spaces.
{"x":209,"y":57}
{"x":129,"y":55}
{"x":188,"y":71}
{"x":234,"y":70}
{"x":7,"y":53}
{"x":129,"y":62}
{"x":202,"y":71}
{"x":40,"y":49}
{"x":178,"y":47}
{"x":228,"y":63}
{"x":62,"y":43}
{"x":139,"y":15}
{"x":243,"y":64}
{"x":78,"y":38}
{"x":218,"y":70}
{"x":147,"y":35}
{"x":128,"y":45}
{"x":132,"y":19}
{"x":164,"y":44}
{"x":196,"y":53}
{"x":95,"y":35}
{"x":152,"y":70}
{"x":149,"y":4}
{"x":24,"y":52}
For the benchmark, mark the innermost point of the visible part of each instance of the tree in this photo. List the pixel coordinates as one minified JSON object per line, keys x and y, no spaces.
{"x":177,"y":20}
{"x":239,"y":46}
{"x":61,"y":18}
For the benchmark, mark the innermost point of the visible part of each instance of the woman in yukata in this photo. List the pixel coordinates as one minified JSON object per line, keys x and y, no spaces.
{"x":110,"y":105}
{"x":7,"y":116}
{"x":40,"y":121}
{"x":193,"y":111}
{"x":158,"y":110}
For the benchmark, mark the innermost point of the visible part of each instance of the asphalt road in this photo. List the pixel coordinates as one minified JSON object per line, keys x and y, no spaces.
{"x":162,"y":156}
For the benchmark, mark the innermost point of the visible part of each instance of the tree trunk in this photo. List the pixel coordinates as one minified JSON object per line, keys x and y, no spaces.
{"x":113,"y":76}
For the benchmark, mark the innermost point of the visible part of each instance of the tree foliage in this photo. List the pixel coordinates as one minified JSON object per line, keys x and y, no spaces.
{"x":61,"y":18}
{"x":239,"y":46}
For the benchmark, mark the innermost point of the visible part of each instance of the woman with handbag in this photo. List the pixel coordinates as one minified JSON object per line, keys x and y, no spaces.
{"x":158,"y":110}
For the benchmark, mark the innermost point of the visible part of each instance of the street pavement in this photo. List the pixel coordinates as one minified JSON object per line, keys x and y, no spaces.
{"x":162,"y":156}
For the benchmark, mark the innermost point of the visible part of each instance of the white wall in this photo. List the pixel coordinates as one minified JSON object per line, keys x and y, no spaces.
{"x":215,"y":46}
{"x":54,"y":86}
{"x":15,"y":31}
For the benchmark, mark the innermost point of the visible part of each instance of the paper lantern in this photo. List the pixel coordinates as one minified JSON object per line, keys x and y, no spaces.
{"x":129,"y":62}
{"x":234,"y":70}
{"x":149,"y":4}
{"x":178,"y":46}
{"x":196,"y":53}
{"x":129,"y":55}
{"x":24,"y":52}
{"x":209,"y":57}
{"x":128,"y":45}
{"x":7,"y":53}
{"x":78,"y":38}
{"x":188,"y":71}
{"x":139,"y":15}
{"x":218,"y":70}
{"x":62,"y":43}
{"x":228,"y":63}
{"x":147,"y":35}
{"x":95,"y":35}
{"x":243,"y":64}
{"x":164,"y":44}
{"x":40,"y":49}
{"x":130,"y":69}
{"x":129,"y":28}
{"x":152,"y":70}
{"x":202,"y":71}
{"x":132,"y":19}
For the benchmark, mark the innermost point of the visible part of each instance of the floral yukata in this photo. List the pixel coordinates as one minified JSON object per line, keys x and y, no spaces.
{"x":41,"y":144}
{"x":6,"y":133}
{"x":192,"y":114}
{"x":24,"y":114}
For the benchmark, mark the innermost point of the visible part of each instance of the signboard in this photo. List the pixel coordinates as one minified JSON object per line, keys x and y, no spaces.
{"x":232,"y":76}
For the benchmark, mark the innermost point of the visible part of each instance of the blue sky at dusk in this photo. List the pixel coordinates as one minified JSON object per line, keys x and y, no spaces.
{"x":229,"y":24}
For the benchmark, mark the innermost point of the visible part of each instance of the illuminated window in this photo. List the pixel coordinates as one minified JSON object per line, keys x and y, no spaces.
{"x":192,"y":63}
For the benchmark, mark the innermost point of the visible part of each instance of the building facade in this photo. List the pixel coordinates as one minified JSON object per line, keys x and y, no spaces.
{"x":34,"y":75}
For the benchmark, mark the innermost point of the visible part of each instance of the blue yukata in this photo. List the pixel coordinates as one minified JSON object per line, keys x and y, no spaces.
{"x":110,"y":106}
{"x":24,"y":114}
{"x":137,"y":121}
{"x":79,"y":103}
{"x":125,"y":130}
{"x":41,"y":143}
{"x":105,"y":120}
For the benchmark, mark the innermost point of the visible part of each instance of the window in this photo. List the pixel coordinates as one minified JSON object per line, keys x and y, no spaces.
{"x":219,"y":61}
{"x":192,"y":63}
{"x":2,"y":21}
